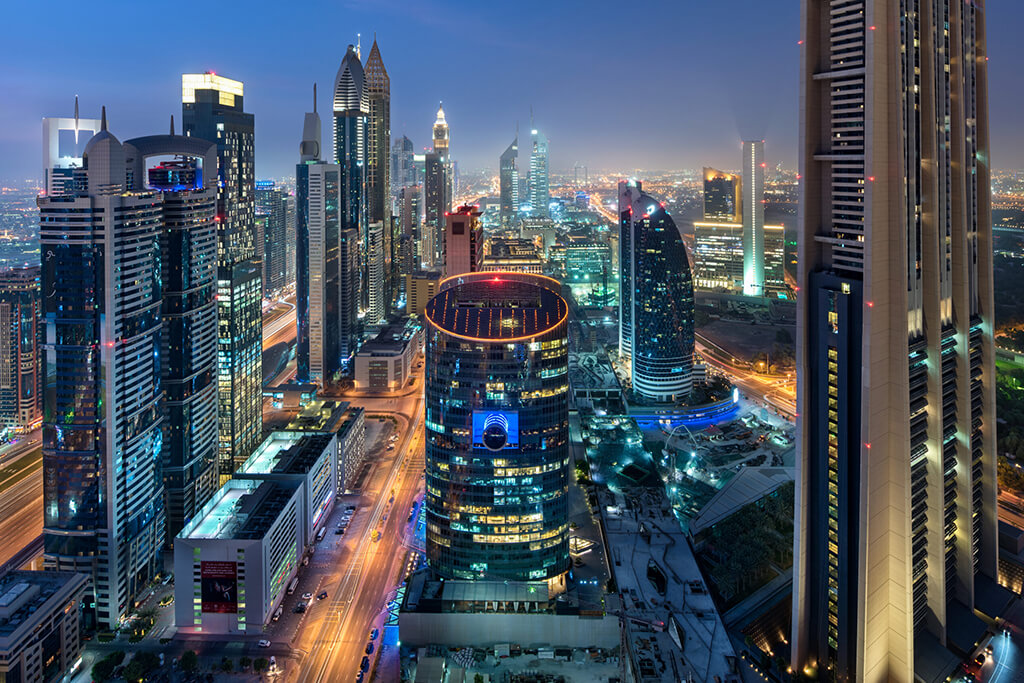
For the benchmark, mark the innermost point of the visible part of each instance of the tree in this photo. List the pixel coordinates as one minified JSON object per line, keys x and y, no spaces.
{"x":141,"y":665}
{"x":226,"y":665}
{"x":189,"y":661}
{"x":104,"y":668}
{"x":478,"y":678}
{"x":260,"y":665}
{"x":245,"y":662}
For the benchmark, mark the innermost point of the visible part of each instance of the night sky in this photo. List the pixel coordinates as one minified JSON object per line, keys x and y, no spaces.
{"x":616,"y":85}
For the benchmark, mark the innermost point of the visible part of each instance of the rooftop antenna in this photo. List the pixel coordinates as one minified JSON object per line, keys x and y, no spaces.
{"x":103,"y":118}
{"x":172,"y":124}
{"x":359,"y":45}
{"x":314,"y":97}
{"x":76,"y":120}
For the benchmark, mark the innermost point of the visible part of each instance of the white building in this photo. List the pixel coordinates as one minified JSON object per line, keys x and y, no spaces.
{"x":385,"y":362}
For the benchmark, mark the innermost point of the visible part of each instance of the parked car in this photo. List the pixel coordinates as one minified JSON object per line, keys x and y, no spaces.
{"x":369,"y":648}
{"x":264,"y":643}
{"x":365,"y":664}
{"x":374,"y":633}
{"x":323,"y":594}
{"x":307,"y":596}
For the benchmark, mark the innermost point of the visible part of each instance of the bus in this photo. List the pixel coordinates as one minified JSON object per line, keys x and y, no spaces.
{"x":277,"y":614}
{"x":320,"y":534}
{"x":293,"y":585}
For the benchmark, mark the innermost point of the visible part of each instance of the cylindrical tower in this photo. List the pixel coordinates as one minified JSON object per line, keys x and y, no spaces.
{"x":497,"y":470}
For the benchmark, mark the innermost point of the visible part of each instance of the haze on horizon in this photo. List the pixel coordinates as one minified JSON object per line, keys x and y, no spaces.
{"x":668,"y":85}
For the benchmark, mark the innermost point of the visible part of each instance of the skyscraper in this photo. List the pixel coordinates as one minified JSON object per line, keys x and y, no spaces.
{"x":753,"y":218}
{"x":376,"y":268}
{"x":212,"y":109}
{"x":186,"y":186}
{"x":103,"y":493}
{"x":351,"y":121}
{"x":463,"y":241}
{"x":64,"y":139}
{"x":508,"y":181}
{"x":441,"y":132}
{"x":290,"y":235}
{"x":657,"y":313}
{"x":896,"y":531}
{"x":272,"y":205}
{"x":436,"y":203}
{"x":496,"y":399}
{"x":403,"y":167}
{"x":21,"y":340}
{"x":723,"y":196}
{"x":378,"y":177}
{"x":318,"y":253}
{"x":540,"y":194}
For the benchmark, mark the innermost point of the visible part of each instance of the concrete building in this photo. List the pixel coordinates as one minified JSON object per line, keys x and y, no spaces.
{"x":420,"y":287}
{"x":511,"y":254}
{"x":377,"y":273}
{"x":348,"y":423}
{"x":896,"y":545}
{"x":385,"y":362}
{"x":463,"y":241}
{"x":233,"y":561}
{"x":753,"y":218}
{"x":40,"y":625}
{"x":719,"y":255}
{"x":21,"y":350}
{"x":310,"y":458}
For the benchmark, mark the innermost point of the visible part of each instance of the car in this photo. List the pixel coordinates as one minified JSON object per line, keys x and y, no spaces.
{"x":988,"y":648}
{"x":307,"y":596}
{"x":300,"y":607}
{"x":369,"y":648}
{"x":365,"y":664}
{"x":980,"y":659}
{"x":359,"y":677}
{"x":391,"y":448}
{"x":264,"y":643}
{"x":339,"y":531}
{"x":374,"y":633}
{"x":323,"y":594}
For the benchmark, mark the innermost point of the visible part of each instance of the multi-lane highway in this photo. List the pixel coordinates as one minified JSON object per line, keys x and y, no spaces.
{"x":21,"y":501}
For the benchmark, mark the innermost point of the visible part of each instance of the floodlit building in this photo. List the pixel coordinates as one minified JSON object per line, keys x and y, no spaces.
{"x":540,"y":193}
{"x":384,"y":363}
{"x":233,"y":561}
{"x":497,"y":461}
{"x":753,"y":218}
{"x":511,"y":254}
{"x":420,"y":288}
{"x":723,"y":196}
{"x":64,"y":140}
{"x":896,"y":533}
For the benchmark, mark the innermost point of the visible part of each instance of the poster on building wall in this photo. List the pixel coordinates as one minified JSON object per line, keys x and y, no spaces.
{"x":219,"y":587}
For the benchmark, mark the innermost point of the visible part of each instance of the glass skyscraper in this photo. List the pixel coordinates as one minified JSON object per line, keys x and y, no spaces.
{"x":896,"y":545}
{"x":656,"y":301}
{"x":540,"y":193}
{"x":508,"y":181}
{"x":272,"y":205}
{"x":103,"y":492}
{"x":21,"y":338}
{"x":497,"y":460}
{"x":383,"y":284}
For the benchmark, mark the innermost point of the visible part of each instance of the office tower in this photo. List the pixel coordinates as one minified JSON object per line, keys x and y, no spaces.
{"x":410,"y":203}
{"x":271,"y":204}
{"x":212,"y":109}
{"x":182,"y":171}
{"x":348,"y":320}
{"x":318,"y":253}
{"x":540,"y":194}
{"x":103,"y":494}
{"x":64,"y":139}
{"x":403,"y":166}
{"x":656,"y":298}
{"x":21,"y":339}
{"x":378,"y":178}
{"x":441,"y":133}
{"x":496,"y":400}
{"x":753,"y":219}
{"x":351,"y":121}
{"x":290,"y":235}
{"x":376,"y":274}
{"x":437,"y":202}
{"x":723,"y":197}
{"x":896,"y":545}
{"x":463,"y":241}
{"x":508,"y":182}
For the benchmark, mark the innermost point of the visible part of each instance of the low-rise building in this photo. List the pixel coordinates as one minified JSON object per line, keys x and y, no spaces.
{"x":513,"y":255}
{"x":348,"y":423}
{"x":420,"y":287}
{"x":40,"y":624}
{"x":310,"y":458}
{"x":385,"y":362}
{"x":233,"y":561}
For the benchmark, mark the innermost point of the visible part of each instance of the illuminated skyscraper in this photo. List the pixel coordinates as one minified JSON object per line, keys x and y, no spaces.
{"x":540,"y":194}
{"x":508,"y":181}
{"x":463,"y":241}
{"x":441,"y":133}
{"x":753,"y":218}
{"x":896,"y":530}
{"x":436,"y":202}
{"x":318,"y":252}
{"x":212,"y":109}
{"x":723,"y":196}
{"x":103,"y":492}
{"x":272,"y":206}
{"x":351,"y":122}
{"x":376,"y":270}
{"x":186,"y":186}
{"x":21,"y":348}
{"x":656,"y":298}
{"x":403,"y":167}
{"x":64,"y":139}
{"x":378,"y":181}
{"x":497,"y":428}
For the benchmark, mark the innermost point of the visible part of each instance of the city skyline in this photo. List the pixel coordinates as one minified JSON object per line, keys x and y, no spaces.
{"x":701,"y":123}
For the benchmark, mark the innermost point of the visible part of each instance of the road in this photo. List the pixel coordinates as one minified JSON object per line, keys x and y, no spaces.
{"x":279,"y":323}
{"x":335,"y":639}
{"x":21,"y":502}
{"x":779,"y":392}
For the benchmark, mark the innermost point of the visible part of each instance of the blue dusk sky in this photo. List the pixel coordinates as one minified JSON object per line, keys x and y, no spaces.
{"x":655,"y":85}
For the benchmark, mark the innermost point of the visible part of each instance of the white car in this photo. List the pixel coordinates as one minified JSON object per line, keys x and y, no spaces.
{"x":264,"y":643}
{"x":307,"y":596}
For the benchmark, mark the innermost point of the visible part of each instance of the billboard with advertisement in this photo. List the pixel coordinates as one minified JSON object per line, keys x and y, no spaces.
{"x":495,"y":430}
{"x":219,"y":587}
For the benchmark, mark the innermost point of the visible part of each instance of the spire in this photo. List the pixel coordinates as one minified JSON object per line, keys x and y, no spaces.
{"x":359,"y":45}
{"x":76,"y":120}
{"x":314,"y":97}
{"x":103,"y":117}
{"x":172,"y":124}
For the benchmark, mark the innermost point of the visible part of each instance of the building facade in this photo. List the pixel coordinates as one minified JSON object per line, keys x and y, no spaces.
{"x":753,"y":218}
{"x":21,"y":339}
{"x":896,"y":532}
{"x":351,"y":122}
{"x":656,"y":298}
{"x":508,"y":182}
{"x":378,"y":180}
{"x":436,"y":203}
{"x":272,"y":206}
{"x":723,"y":196}
{"x":403,"y":168}
{"x":463,"y":241}
{"x":103,"y":491}
{"x":540,"y":193}
{"x":497,"y":462}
